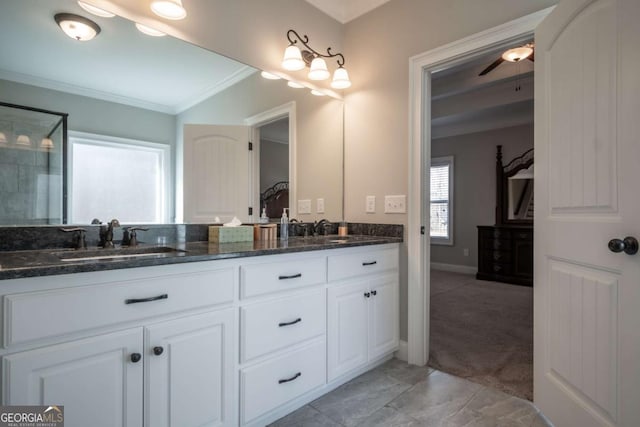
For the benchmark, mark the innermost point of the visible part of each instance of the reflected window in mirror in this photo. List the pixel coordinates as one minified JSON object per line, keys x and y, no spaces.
{"x":441,"y":211}
{"x":117,"y":178}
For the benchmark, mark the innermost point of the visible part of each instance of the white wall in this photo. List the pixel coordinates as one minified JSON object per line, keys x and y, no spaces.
{"x":475,"y":185}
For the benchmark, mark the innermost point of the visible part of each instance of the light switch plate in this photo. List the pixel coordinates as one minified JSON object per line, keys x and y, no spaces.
{"x":320,"y":206}
{"x":304,"y":206}
{"x":371,"y":204}
{"x":395,"y":204}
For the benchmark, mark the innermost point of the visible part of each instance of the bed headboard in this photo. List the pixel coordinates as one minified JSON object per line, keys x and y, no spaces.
{"x":275,"y":198}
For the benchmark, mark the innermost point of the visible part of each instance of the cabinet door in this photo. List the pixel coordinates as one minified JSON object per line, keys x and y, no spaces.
{"x":190,"y":377}
{"x":347,"y":328}
{"x":93,"y":378}
{"x":383,"y":315}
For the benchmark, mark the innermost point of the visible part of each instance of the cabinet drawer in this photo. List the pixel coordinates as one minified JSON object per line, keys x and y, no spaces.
{"x":277,"y":381}
{"x":259,"y":279}
{"x":273,"y":325}
{"x":355,"y":264}
{"x":500,"y":244}
{"x":31,"y":316}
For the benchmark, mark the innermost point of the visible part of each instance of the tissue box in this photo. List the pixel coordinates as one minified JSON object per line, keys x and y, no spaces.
{"x":220,"y":234}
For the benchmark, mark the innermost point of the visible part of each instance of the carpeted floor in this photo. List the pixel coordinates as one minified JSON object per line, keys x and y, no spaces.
{"x":482,"y":331}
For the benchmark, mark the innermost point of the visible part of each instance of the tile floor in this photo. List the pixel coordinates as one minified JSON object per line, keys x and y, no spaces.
{"x":397,"y":394}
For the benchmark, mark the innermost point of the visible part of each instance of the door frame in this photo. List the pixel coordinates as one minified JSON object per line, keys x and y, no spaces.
{"x":421,"y":67}
{"x":261,"y":119}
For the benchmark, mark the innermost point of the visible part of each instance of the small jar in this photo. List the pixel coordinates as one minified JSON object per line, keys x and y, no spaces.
{"x":343,"y":230}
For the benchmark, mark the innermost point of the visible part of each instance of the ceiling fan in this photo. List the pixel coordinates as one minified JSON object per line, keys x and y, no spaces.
{"x":515,"y":54}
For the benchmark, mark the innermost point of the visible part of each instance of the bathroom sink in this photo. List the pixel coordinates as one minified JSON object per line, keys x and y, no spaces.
{"x":120,"y":253}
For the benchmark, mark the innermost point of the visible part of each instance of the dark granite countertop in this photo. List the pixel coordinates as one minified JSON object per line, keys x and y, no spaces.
{"x":32,"y":263}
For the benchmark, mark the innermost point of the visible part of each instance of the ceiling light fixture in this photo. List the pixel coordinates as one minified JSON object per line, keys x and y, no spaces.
{"x":149,"y":31}
{"x":95,"y":10}
{"x":295,"y":85}
{"x":295,"y":59}
{"x":169,"y":9}
{"x":77,"y":27}
{"x":317,"y":92}
{"x":517,"y":54}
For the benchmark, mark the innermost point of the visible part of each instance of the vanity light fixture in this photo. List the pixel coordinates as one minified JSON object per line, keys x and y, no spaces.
{"x":149,"y":31}
{"x":3,"y":138}
{"x":169,"y":9}
{"x":295,"y":85}
{"x":46,"y":143}
{"x":517,"y":54}
{"x":23,"y":140}
{"x":269,"y":76}
{"x":295,"y":59}
{"x":77,"y":27}
{"x":95,"y":10}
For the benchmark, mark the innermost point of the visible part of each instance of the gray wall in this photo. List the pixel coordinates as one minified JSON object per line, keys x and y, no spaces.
{"x":377,"y":47}
{"x":274,"y":164}
{"x":475,"y":185}
{"x":319,"y":127}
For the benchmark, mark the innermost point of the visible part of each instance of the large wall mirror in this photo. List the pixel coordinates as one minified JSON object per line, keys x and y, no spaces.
{"x":147,"y":115}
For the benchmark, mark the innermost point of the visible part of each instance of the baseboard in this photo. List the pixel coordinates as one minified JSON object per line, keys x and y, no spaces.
{"x":403,"y":351}
{"x":454,"y":268}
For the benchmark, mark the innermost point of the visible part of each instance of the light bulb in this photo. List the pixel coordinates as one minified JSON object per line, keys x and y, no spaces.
{"x":318,"y":69}
{"x":292,"y":59}
{"x":95,"y":10}
{"x":149,"y":31}
{"x":169,"y":9}
{"x":269,"y":76}
{"x":340,"y":79}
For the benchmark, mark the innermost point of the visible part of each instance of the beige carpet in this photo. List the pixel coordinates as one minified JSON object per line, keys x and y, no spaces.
{"x":483,"y":331}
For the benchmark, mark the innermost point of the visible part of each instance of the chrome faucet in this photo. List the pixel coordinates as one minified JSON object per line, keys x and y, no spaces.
{"x":106,"y":233}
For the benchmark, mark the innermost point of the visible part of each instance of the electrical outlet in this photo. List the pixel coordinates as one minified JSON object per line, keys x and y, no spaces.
{"x":371,"y":204}
{"x":395,"y":204}
{"x":304,"y":206}
{"x":320,"y":206}
{"x":465,"y":251}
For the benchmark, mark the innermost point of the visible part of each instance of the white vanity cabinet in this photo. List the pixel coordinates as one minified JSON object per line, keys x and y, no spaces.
{"x":94,"y":378}
{"x":362,"y":307}
{"x":235,"y":342}
{"x":152,"y":366}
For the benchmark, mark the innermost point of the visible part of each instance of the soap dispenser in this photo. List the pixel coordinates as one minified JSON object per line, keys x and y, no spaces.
{"x":284,"y":225}
{"x":264,"y":219}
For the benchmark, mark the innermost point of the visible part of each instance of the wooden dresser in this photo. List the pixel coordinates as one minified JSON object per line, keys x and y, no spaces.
{"x":505,"y":253}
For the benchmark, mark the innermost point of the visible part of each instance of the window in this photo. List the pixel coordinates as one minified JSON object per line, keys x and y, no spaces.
{"x":441,"y":211}
{"x":117,"y":178}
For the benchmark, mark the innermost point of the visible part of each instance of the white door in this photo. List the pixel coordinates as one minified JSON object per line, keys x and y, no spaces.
{"x":189,"y":369}
{"x":383,"y":315}
{"x":216,"y":173}
{"x":94,"y":378}
{"x":347,"y":321}
{"x":587,"y":147}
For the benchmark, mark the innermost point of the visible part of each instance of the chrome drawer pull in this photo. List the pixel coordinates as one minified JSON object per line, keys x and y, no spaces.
{"x":298,"y":320}
{"x":296,"y":376}
{"x":293,"y":276}
{"x":369,"y":263}
{"x":138,"y":300}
